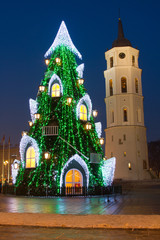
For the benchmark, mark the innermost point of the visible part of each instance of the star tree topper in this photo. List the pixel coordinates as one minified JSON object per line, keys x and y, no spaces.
{"x":63,"y":38}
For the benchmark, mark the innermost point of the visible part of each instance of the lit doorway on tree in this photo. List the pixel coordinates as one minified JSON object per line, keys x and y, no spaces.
{"x":73,"y":182}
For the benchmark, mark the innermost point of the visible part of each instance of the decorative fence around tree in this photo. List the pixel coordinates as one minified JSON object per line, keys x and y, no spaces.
{"x":64,"y":191}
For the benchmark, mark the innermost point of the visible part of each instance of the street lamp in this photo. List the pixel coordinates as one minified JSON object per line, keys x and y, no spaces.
{"x":88,"y":126}
{"x":95,"y":113}
{"x":47,"y":155}
{"x":101,"y":140}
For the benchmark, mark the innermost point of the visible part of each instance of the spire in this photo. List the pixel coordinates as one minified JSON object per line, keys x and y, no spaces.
{"x":121,"y":41}
{"x":63,"y":38}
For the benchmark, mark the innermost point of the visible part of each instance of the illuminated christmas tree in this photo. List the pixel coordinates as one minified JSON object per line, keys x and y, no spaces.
{"x":62,"y":148}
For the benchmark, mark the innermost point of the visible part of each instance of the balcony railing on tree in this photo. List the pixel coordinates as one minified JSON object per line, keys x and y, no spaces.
{"x":50,"y":130}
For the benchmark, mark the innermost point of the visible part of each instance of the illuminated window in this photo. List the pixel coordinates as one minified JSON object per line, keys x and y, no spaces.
{"x":74,"y":179}
{"x":133,"y":60}
{"x":111,"y":62}
{"x":55,"y":90}
{"x":125,"y":119}
{"x":111,"y":87}
{"x":83,"y":113}
{"x":123,"y":85}
{"x":124,"y":154}
{"x":136,"y":85}
{"x":30,"y":158}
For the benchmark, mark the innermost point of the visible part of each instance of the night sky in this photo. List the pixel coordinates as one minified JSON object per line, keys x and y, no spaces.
{"x":27,"y":30}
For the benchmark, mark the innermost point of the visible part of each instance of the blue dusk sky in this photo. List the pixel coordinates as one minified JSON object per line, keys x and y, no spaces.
{"x":27,"y":30}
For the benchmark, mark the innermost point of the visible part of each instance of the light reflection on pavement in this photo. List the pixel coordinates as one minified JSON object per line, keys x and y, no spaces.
{"x":74,"y":205}
{"x":141,"y":200}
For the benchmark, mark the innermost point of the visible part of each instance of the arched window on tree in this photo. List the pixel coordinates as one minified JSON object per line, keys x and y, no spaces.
{"x":136,"y":85}
{"x":123,"y":85}
{"x":30,"y":158}
{"x":125,"y":117}
{"x":83,"y":112}
{"x":55,"y":90}
{"x":111,"y":87}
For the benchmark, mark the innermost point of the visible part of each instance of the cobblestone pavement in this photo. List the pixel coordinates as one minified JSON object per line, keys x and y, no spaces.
{"x":77,"y":234}
{"x":141,"y":200}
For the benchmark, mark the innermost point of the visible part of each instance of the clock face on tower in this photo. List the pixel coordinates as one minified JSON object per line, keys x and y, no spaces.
{"x":122,"y":55}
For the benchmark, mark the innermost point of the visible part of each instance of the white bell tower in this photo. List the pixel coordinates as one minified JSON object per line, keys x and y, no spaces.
{"x":125,"y":133}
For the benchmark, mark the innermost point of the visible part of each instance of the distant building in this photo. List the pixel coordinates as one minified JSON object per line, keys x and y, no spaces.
{"x":9,"y":157}
{"x":125,"y":133}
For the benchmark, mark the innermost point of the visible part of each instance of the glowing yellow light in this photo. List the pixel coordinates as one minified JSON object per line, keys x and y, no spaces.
{"x":69,"y":100}
{"x":58,"y":60}
{"x":30,"y":123}
{"x":101,"y":140}
{"x":6,"y":162}
{"x":41,"y":88}
{"x":16,"y":166}
{"x":83,"y":113}
{"x":129,"y":166}
{"x":88,"y":126}
{"x":37,"y":116}
{"x":95,"y":113}
{"x":24,"y":133}
{"x":80,"y":81}
{"x":47,"y":61}
{"x":47,"y":155}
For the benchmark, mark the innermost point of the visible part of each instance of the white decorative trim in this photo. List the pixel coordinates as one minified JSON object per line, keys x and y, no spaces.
{"x":85,"y":99}
{"x":26,"y":142}
{"x":51,"y":81}
{"x":108,"y":170}
{"x":80,"y":70}
{"x":14,"y":170}
{"x":78,"y":159}
{"x":33,"y":105}
{"x":98,"y":126}
{"x":63,"y":38}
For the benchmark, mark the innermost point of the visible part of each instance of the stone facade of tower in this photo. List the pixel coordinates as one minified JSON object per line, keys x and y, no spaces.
{"x":125,"y":133}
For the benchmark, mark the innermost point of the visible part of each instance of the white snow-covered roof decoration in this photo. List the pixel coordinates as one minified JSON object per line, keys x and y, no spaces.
{"x":33,"y":105}
{"x":52,"y":80}
{"x":78,"y":159}
{"x":98,"y":127}
{"x":63,"y":38}
{"x":15,"y":170}
{"x":26,"y":142}
{"x":80,"y":70}
{"x":108,"y":170}
{"x":85,"y":99}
